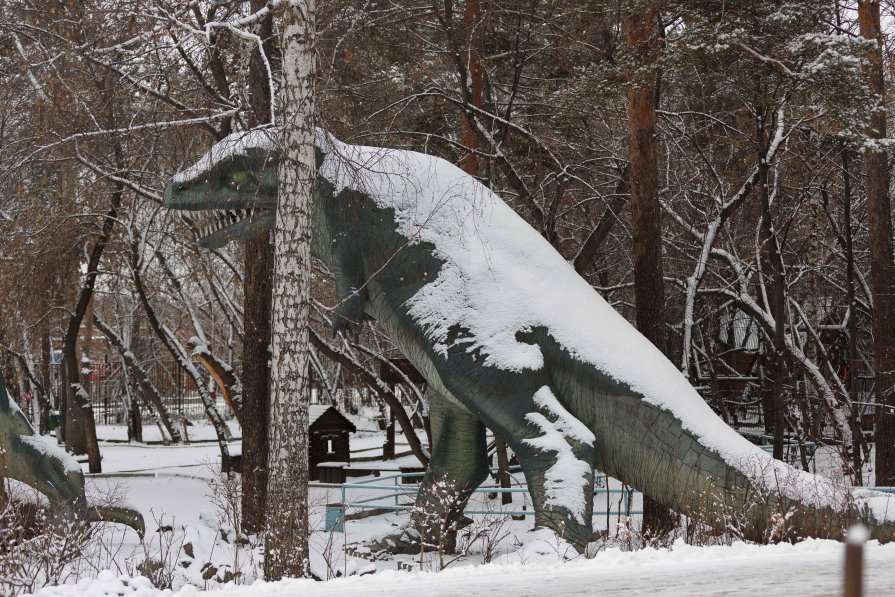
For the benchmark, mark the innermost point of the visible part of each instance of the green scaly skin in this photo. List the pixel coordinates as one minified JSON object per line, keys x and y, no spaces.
{"x":56,"y":476}
{"x":377,"y":270}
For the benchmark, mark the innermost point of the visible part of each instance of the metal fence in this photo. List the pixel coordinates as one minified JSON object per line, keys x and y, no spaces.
{"x":109,"y":392}
{"x":397,"y":493}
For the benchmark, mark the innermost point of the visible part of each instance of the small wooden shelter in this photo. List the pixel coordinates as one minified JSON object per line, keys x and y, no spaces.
{"x":328,"y":444}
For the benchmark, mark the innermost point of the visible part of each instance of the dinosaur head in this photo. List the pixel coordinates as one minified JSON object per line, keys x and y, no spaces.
{"x":233,"y":186}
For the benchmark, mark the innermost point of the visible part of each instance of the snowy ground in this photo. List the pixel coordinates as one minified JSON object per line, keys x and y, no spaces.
{"x":174,"y":488}
{"x":811,"y":568}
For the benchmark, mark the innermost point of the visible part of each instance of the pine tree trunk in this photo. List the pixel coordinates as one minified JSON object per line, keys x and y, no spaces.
{"x":257,"y":289}
{"x":642,"y":35}
{"x":475,"y":72}
{"x":286,"y":546}
{"x":882,"y":266}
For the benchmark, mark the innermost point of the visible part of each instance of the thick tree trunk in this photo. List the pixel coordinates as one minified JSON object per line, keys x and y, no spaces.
{"x":286,"y":545}
{"x":882,"y":265}
{"x":80,"y":424}
{"x":641,"y":29}
{"x":257,"y":290}
{"x":475,"y":72}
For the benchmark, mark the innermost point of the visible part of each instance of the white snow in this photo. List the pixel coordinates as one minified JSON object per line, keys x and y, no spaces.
{"x":569,"y":479}
{"x":261,"y":138}
{"x":47,"y":445}
{"x":570,"y":426}
{"x":500,"y":277}
{"x":173,"y":489}
{"x":809,"y":568}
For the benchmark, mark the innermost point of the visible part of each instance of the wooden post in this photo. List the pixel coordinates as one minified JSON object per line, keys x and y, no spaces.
{"x":388,"y":449}
{"x":854,"y":561}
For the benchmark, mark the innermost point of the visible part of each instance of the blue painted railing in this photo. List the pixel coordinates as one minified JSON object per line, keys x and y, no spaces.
{"x":395,"y":495}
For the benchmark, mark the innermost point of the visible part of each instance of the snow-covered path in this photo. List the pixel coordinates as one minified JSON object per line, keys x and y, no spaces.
{"x":812,"y":568}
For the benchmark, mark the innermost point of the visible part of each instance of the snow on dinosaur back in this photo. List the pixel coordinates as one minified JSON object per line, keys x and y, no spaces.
{"x":500,"y":276}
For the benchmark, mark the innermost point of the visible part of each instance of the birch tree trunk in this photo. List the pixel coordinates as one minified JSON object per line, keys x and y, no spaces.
{"x":882,"y":264}
{"x":286,"y":547}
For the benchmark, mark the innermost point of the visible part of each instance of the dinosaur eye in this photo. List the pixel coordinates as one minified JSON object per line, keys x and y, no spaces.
{"x":237,"y":178}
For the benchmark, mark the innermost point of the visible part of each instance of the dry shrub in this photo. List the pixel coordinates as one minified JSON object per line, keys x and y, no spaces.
{"x":37,"y":546}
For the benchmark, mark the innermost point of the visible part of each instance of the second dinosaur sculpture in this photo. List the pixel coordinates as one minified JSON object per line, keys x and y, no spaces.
{"x":38,"y":462}
{"x":509,"y":337}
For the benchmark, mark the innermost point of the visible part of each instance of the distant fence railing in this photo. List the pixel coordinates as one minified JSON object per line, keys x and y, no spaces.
{"x":109,"y":390}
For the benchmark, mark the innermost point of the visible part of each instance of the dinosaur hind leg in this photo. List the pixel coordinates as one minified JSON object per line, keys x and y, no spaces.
{"x":457,"y":466}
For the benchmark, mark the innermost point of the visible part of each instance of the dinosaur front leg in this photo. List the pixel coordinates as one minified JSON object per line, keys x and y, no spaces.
{"x":350,"y":282}
{"x":557,"y":453}
{"x":459,"y":464}
{"x":559,"y":469}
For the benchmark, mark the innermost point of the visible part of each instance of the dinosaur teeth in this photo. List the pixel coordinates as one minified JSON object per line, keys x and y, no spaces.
{"x":219,"y":219}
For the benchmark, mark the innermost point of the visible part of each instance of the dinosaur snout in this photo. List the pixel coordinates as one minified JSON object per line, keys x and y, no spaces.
{"x":168,"y":196}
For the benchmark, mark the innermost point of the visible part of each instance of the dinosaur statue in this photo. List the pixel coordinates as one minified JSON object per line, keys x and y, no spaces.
{"x":38,"y":462}
{"x":509,"y":337}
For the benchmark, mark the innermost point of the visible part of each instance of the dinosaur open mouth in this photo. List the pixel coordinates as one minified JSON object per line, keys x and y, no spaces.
{"x":215,"y":220}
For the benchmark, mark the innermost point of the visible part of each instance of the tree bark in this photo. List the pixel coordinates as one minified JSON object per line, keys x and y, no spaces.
{"x":257,"y":290}
{"x":79,"y":412}
{"x":475,"y":70}
{"x":286,"y":545}
{"x":852,"y":324}
{"x":778,"y":306}
{"x":641,"y":28}
{"x":882,"y":264}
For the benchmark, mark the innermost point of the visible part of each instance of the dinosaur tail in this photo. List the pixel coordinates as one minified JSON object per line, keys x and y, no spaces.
{"x":739,"y":487}
{"x":118,"y":514}
{"x":704,"y":468}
